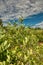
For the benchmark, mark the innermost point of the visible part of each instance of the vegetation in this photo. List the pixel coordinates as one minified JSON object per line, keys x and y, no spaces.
{"x":19,"y":45}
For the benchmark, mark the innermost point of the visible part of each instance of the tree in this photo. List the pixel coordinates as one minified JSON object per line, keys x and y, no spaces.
{"x":1,"y":22}
{"x":21,"y":19}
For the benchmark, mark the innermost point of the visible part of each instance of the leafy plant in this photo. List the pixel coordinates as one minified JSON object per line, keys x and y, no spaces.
{"x":19,"y":46}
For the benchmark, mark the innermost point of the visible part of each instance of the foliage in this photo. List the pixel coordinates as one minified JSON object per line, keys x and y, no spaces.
{"x":19,"y":46}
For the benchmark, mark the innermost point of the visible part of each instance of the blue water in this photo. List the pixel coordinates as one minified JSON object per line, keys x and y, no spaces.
{"x":33,"y":19}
